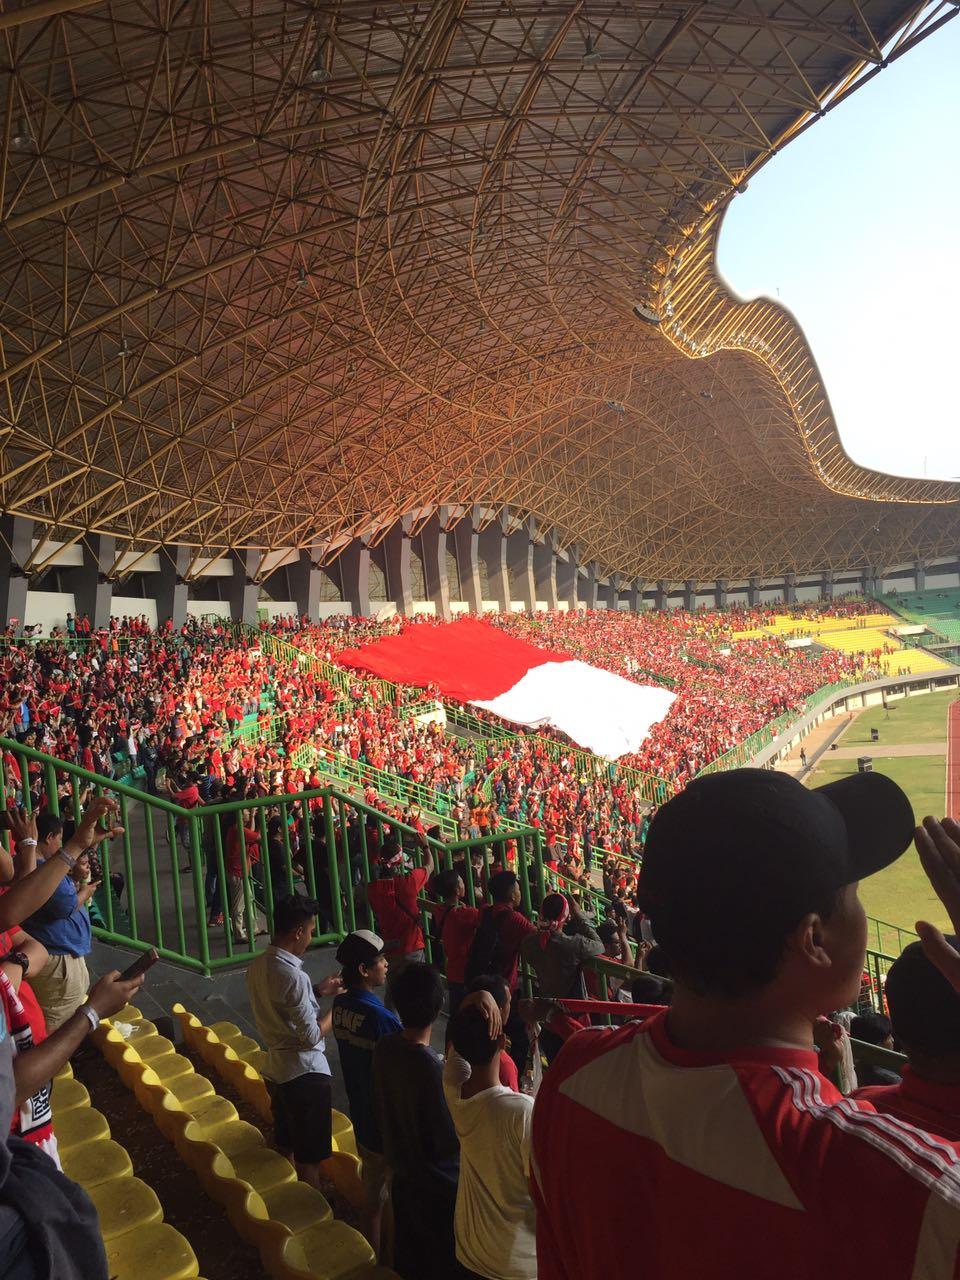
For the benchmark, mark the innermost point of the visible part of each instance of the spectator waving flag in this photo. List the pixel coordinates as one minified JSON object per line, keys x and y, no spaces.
{"x":476,"y":663}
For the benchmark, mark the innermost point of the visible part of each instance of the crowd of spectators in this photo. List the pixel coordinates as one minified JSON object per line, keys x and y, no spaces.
{"x":720,"y":1123}
{"x":48,"y":1225}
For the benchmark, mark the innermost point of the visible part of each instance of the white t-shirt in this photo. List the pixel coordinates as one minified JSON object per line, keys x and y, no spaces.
{"x":495,"y":1224}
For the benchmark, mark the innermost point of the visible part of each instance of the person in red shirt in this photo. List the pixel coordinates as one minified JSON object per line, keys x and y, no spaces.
{"x":925,"y":1014}
{"x":454,"y":926}
{"x":708,"y":1131}
{"x":393,"y":900}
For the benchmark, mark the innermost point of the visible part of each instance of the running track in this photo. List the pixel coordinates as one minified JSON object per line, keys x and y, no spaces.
{"x":953,"y":760}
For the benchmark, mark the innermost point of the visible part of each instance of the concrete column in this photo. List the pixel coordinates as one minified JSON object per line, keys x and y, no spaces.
{"x":545,"y":572}
{"x":610,"y":591}
{"x":790,"y":588}
{"x":519,"y":548}
{"x":306,"y":583}
{"x":921,"y":575}
{"x":354,"y":562}
{"x":753,"y":593}
{"x":634,"y":592}
{"x":466,"y":543}
{"x":397,"y":553}
{"x":587,"y":586}
{"x":660,"y":599}
{"x":492,"y":547}
{"x":827,"y":587}
{"x":433,"y":541}
{"x":244,"y":589}
{"x":721,"y":593}
{"x":871,"y":580}
{"x":566,"y":575}
{"x":16,"y":537}
{"x":172,"y":589}
{"x":92,"y":589}
{"x":690,"y":595}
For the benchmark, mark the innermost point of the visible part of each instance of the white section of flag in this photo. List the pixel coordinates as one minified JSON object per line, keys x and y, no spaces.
{"x":598,"y":710}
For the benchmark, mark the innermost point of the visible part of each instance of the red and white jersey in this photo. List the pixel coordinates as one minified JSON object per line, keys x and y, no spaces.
{"x":652,"y":1161}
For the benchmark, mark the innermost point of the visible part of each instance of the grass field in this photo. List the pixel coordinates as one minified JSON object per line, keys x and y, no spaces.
{"x":901,"y":893}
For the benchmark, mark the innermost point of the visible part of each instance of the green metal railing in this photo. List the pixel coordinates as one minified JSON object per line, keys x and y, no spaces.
{"x":175,"y":862}
{"x":740,"y":755}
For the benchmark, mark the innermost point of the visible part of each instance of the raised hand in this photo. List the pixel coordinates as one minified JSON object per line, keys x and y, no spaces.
{"x":89,"y":832}
{"x":23,"y":825}
{"x":938,"y":844}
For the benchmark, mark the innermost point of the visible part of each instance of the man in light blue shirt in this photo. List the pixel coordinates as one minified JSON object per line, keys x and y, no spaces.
{"x":287,"y":1013}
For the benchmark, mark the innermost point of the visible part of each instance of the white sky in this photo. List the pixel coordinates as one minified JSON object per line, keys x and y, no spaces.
{"x":854,"y":228}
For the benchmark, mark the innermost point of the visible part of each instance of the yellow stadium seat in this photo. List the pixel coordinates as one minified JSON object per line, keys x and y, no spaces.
{"x":92,"y":1163}
{"x":225,"y":1031}
{"x":129,"y":1013}
{"x":154,"y":1252}
{"x":343,"y":1170}
{"x":257,"y":1059}
{"x":65,"y":1072}
{"x":297,"y":1205}
{"x":235,"y":1137}
{"x":211,"y":1110}
{"x":156,"y":1046}
{"x":69,"y":1093}
{"x":242,"y":1045}
{"x":263,"y":1168}
{"x":330,"y":1251}
{"x":80,"y":1126}
{"x":343,"y":1136}
{"x":189,"y":1088}
{"x":141,"y":1030}
{"x":124,"y":1204}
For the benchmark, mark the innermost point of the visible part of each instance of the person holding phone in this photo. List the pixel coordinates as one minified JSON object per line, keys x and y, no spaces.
{"x":62,"y":922}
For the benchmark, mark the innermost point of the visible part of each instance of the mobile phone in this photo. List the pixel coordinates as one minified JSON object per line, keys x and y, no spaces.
{"x":140,"y":965}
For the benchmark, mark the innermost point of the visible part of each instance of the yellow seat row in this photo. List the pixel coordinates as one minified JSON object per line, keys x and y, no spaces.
{"x":289,"y":1223}
{"x":139,"y":1244}
{"x":238,"y":1060}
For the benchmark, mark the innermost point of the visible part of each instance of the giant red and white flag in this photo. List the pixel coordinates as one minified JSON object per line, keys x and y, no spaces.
{"x":475,"y":662}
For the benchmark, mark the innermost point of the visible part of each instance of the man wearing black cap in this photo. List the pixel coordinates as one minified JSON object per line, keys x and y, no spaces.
{"x":708,"y":1130}
{"x":360,"y":1020}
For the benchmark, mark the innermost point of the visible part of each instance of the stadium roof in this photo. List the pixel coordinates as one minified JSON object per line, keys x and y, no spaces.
{"x":277,"y":273}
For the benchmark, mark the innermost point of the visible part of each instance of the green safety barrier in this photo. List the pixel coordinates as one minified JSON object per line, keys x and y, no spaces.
{"x":157,"y":909}
{"x":742,"y":754}
{"x":161,"y":909}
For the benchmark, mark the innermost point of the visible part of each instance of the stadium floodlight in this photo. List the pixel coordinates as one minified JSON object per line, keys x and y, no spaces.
{"x":318,"y":73}
{"x":124,"y":350}
{"x":302,"y":276}
{"x":616,"y":406}
{"x":645,"y":313}
{"x":590,"y":53}
{"x":23,"y":139}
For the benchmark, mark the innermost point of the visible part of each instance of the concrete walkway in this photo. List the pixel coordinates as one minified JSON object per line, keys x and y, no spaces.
{"x":815,"y":744}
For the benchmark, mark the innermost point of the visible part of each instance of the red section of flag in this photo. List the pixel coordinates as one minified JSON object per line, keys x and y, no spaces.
{"x":468,"y":660}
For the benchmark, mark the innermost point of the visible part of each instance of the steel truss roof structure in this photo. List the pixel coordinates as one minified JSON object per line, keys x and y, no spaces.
{"x":276,"y":273}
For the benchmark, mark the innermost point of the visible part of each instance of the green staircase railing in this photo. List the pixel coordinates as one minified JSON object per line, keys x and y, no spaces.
{"x":175,"y":862}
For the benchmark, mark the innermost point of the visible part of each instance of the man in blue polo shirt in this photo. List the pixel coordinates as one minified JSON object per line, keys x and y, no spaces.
{"x":360,"y":1019}
{"x":62,"y":924}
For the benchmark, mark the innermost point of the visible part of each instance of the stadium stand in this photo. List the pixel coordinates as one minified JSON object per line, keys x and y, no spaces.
{"x":140,"y":1245}
{"x":291,"y":1224}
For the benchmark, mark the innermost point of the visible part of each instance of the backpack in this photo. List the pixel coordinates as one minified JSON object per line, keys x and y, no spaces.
{"x":487,"y":953}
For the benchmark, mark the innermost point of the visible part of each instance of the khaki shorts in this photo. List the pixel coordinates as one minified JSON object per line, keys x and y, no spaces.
{"x":60,"y":987}
{"x":375,"y":1176}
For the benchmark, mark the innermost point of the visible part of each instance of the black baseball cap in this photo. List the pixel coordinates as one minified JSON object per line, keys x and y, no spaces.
{"x":747,"y":841}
